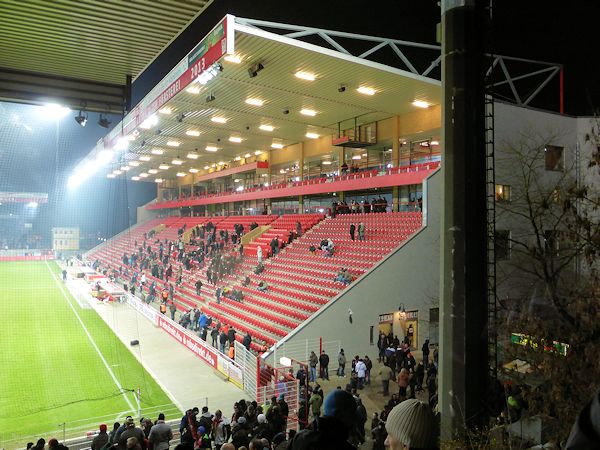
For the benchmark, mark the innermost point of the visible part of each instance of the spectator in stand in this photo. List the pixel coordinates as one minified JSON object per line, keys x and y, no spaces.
{"x":262,"y":286}
{"x":341,"y":372}
{"x":403,"y":381}
{"x":425,"y":350}
{"x":101,"y":439}
{"x":298,"y":229}
{"x":214,"y":334}
{"x":222,"y":341}
{"x":113,"y":433}
{"x":259,"y":254}
{"x":313,"y":361}
{"x":361,"y":231}
{"x":198,"y":285}
{"x":352,"y":230}
{"x":333,"y":429}
{"x":231,"y":336}
{"x":361,"y":371}
{"x":386,"y":375}
{"x":411,"y":425}
{"x":160,"y":434}
{"x":315,"y":403}
{"x":221,"y":430}
{"x":240,"y":434}
{"x":131,"y":431}
{"x":247,"y":341}
{"x":324,"y":365}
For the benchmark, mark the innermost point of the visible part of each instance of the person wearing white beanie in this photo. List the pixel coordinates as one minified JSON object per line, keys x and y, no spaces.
{"x":411,"y":425}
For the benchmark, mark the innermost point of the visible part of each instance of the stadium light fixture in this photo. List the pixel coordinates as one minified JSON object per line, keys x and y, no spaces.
{"x":237,"y":158}
{"x":105,"y":156}
{"x":158,"y":180}
{"x":173,"y":143}
{"x":149,"y":122}
{"x":326,"y":163}
{"x":255,"y":101}
{"x":219,"y":119}
{"x":163,"y":166}
{"x":308,"y":112}
{"x":266,"y":127}
{"x":110,"y":175}
{"x":247,"y":155}
{"x":145,"y":158}
{"x":81,"y":118}
{"x":192,"y":155}
{"x":153,"y":171}
{"x":356,"y":157}
{"x":56,"y":111}
{"x":157,"y":151}
{"x":135,"y":178}
{"x":144,"y":175}
{"x":104,"y":121}
{"x":165,"y":110}
{"x":134,"y":163}
{"x":181,"y":174}
{"x":177,"y":161}
{"x":211,"y":148}
{"x":258,"y":152}
{"x":235,"y":59}
{"x":277,"y":145}
{"x":195,"y":90}
{"x":192,"y":170}
{"x":311,"y":135}
{"x":194,"y":133}
{"x":235,"y":139}
{"x":125,"y":168}
{"x":366,"y":90}
{"x":308,"y":76}
{"x":420,"y":103}
{"x":206,"y":167}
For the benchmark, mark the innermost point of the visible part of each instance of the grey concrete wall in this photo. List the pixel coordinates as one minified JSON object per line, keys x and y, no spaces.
{"x":410,"y":276}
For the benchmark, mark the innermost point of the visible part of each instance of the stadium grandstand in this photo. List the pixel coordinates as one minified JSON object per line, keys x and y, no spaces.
{"x":256,"y":245}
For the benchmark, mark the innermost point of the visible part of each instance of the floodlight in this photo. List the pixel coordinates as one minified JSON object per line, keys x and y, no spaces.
{"x":81,"y":119}
{"x":104,"y":121}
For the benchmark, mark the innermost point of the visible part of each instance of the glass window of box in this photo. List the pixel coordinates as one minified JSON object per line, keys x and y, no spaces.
{"x":419,"y":149}
{"x":502,"y":193}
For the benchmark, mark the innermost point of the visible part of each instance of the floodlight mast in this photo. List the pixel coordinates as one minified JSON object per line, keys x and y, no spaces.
{"x":464,"y":374}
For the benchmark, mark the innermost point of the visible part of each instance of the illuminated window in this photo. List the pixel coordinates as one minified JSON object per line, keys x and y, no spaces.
{"x":503,"y":193}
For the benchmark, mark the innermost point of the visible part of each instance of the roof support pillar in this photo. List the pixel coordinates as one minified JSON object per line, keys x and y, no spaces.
{"x":463,"y":305}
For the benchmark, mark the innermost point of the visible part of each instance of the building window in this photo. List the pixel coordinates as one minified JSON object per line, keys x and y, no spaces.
{"x":502,"y":245}
{"x":502,"y":193}
{"x":554,"y":158}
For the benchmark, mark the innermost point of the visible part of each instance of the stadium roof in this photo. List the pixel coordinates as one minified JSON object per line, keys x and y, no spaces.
{"x":262,"y":88}
{"x":48,"y":44}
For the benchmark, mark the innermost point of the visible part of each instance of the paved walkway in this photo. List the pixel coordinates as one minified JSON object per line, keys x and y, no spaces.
{"x":186,"y":379}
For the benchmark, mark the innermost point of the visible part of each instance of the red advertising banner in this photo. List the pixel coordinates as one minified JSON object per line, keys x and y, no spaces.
{"x":27,"y":258}
{"x":195,"y":344}
{"x":204,"y":55}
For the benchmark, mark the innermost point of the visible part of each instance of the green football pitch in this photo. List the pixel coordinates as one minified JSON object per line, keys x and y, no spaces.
{"x":61,"y":366}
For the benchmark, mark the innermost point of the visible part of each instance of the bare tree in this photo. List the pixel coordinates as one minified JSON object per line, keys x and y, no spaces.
{"x":553,"y":236}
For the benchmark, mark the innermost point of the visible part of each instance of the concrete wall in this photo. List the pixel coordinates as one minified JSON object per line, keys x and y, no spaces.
{"x":409,"y":276}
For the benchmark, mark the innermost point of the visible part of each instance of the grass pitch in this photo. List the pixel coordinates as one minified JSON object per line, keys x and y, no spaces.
{"x":50,"y":371}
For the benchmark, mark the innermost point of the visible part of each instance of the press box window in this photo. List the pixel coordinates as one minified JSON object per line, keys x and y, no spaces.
{"x":502,"y":245}
{"x":554,"y":157}
{"x":503,"y":193}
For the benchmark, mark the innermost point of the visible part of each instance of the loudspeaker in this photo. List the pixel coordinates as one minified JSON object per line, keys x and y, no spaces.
{"x":135,"y":342}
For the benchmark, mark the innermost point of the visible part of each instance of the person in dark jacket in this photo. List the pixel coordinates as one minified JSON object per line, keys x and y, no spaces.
{"x":324,"y":365}
{"x":101,"y":438}
{"x":222,"y":341}
{"x":352,"y":230}
{"x":247,"y":341}
{"x":331,"y":430}
{"x":231,"y":336}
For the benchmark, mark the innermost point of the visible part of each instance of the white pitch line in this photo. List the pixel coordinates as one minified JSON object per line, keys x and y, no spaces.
{"x":92,"y":340}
